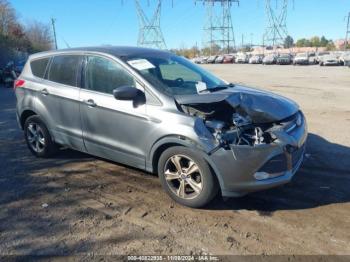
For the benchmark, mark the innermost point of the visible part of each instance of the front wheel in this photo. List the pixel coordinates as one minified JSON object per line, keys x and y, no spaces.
{"x":38,"y":137}
{"x":187,"y":177}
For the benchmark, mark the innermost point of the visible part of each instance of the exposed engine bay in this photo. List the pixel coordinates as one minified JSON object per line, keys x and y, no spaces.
{"x":243,"y":116}
{"x":233,"y":126}
{"x":228,"y":126}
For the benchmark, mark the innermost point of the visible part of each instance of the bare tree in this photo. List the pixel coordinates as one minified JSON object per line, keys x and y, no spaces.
{"x":39,"y":35}
{"x":7,"y":17}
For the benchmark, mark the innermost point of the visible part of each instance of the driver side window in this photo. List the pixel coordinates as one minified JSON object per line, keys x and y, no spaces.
{"x":104,"y":75}
{"x":173,"y":70}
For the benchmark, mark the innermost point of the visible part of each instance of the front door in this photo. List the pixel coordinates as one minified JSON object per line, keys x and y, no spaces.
{"x":111,"y":128}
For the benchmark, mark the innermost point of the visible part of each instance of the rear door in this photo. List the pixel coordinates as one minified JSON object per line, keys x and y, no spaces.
{"x":112,"y":128}
{"x":58,"y":100}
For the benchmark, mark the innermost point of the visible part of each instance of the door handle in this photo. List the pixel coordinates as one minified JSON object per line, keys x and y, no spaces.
{"x":90,"y":103}
{"x":44,"y":92}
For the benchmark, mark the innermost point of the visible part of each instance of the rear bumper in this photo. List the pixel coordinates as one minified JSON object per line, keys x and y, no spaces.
{"x":245,"y":169}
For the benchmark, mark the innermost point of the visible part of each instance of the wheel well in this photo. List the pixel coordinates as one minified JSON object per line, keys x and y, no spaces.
{"x":159,"y":151}
{"x":164,"y":147}
{"x":25,"y":115}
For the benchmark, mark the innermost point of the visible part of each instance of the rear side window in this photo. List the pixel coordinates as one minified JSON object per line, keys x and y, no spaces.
{"x":104,"y":75}
{"x":64,"y":69}
{"x":39,"y":67}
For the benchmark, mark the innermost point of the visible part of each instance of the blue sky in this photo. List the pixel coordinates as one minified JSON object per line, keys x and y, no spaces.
{"x":97,"y":22}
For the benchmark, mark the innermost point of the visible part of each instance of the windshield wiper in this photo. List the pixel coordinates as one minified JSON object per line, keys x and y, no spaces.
{"x":218,"y":88}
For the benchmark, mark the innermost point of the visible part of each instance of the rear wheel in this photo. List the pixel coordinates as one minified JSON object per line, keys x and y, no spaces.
{"x":187,"y":177}
{"x":38,"y":137}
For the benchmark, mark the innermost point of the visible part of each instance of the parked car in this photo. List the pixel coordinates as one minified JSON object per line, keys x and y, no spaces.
{"x":329,"y":60}
{"x":229,"y":59}
{"x":269,"y":59}
{"x":344,"y":58}
{"x":156,"y":111}
{"x":211,"y":59}
{"x":301,"y":59}
{"x":9,"y":74}
{"x":205,"y":60}
{"x":284,"y":59}
{"x":242,"y":58}
{"x":312,"y":59}
{"x":219,"y":59}
{"x":194,"y":60}
{"x":255,"y":59}
{"x":320,"y":55}
{"x":19,"y":66}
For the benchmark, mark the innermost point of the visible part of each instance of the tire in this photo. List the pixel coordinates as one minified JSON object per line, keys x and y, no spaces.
{"x":203,"y":180}
{"x":38,"y":138}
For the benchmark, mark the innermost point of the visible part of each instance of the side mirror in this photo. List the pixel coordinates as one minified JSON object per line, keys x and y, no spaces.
{"x":126,"y":93}
{"x":130,"y":93}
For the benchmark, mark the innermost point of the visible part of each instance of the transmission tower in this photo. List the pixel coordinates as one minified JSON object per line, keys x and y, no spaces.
{"x":150,"y":33}
{"x":276,"y":30}
{"x":218,"y":28}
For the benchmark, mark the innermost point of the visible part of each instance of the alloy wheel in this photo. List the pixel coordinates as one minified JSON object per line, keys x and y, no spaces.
{"x":183,"y":176}
{"x":35,"y":137}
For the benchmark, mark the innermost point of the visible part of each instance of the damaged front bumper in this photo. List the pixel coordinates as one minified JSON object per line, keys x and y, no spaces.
{"x":243,"y":169}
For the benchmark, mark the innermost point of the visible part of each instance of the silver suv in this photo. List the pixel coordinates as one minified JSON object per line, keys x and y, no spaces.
{"x":159,"y":112}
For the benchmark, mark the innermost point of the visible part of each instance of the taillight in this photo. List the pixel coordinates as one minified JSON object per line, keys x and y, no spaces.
{"x":19,"y":83}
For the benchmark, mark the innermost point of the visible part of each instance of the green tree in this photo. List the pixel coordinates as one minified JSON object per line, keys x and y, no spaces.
{"x":323,"y":41}
{"x":288,"y":42}
{"x":330,"y":46}
{"x":315,"y":41}
{"x":301,"y":42}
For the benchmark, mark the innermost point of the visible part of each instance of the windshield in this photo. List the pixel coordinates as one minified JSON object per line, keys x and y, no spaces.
{"x":174,"y":75}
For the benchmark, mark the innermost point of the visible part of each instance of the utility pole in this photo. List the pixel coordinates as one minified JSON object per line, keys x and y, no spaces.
{"x":251,"y":40}
{"x":53,"y":21}
{"x":347,"y":33}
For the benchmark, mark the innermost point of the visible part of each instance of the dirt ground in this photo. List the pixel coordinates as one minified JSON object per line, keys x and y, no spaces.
{"x":77,"y":204}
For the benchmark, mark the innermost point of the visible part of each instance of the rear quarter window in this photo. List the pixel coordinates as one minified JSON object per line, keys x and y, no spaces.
{"x":39,"y":67}
{"x":64,"y":69}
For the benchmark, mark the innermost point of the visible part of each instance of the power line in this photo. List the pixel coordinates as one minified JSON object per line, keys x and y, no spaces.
{"x":218,"y":28}
{"x":276,"y":29}
{"x":150,"y":33}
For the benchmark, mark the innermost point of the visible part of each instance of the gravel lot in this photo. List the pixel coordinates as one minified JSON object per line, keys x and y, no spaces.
{"x":77,"y":204}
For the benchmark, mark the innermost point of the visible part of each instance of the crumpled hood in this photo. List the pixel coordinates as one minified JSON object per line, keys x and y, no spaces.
{"x":260,"y":106}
